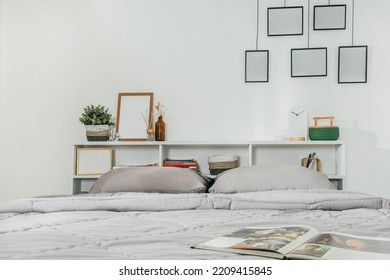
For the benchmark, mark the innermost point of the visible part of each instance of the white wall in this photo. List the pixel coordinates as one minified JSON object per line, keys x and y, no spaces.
{"x":58,"y":56}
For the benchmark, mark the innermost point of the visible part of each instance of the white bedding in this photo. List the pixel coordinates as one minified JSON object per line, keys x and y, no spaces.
{"x":165,"y":226}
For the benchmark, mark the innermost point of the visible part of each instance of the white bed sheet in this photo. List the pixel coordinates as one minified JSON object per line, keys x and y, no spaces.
{"x":156,"y":226}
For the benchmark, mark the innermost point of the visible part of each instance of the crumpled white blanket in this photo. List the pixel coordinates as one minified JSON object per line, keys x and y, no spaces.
{"x":165,"y":226}
{"x":278,"y":200}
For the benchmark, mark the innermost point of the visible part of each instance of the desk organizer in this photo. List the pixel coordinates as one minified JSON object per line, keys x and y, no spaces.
{"x":314,"y":163}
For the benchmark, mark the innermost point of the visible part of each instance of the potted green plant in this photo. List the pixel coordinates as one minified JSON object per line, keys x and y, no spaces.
{"x":98,"y":122}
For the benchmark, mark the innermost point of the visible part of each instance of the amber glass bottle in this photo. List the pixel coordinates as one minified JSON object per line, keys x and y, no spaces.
{"x":160,"y":130}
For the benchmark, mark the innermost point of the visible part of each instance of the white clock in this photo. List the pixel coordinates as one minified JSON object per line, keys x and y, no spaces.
{"x":297,"y":124}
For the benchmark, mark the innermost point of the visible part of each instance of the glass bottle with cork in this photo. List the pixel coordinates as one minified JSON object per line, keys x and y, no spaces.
{"x":159,"y":127}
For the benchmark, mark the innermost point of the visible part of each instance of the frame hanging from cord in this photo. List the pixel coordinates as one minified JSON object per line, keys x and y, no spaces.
{"x":309,"y":62}
{"x":257,"y":61}
{"x":330,"y":17}
{"x":285,"y":21}
{"x":352,"y":60}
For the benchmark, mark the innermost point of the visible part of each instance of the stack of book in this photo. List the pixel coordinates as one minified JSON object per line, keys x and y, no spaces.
{"x":184,"y":163}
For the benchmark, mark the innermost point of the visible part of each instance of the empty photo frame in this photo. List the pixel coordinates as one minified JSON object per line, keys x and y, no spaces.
{"x":309,"y":62}
{"x":256,"y":66}
{"x":285,"y":21}
{"x":93,"y":161}
{"x":352,"y":64}
{"x":133,"y":109}
{"x":330,"y":17}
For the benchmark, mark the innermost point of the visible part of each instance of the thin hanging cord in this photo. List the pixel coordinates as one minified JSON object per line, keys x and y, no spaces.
{"x":257,"y":26}
{"x":329,"y":2}
{"x":353,"y":18}
{"x":308,"y":23}
{"x":285,"y":3}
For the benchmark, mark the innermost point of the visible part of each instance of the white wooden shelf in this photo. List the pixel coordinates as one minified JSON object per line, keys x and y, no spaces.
{"x":331,"y":153}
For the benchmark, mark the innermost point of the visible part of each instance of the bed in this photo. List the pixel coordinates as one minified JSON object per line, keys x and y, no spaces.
{"x":160,"y":213}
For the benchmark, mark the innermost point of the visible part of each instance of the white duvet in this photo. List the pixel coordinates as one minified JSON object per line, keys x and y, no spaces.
{"x":165,"y":226}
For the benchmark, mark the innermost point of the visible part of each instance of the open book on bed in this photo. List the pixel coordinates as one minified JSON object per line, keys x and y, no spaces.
{"x":299,"y":242}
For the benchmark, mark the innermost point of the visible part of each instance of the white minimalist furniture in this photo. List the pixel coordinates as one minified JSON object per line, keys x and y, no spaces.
{"x":331,"y":154}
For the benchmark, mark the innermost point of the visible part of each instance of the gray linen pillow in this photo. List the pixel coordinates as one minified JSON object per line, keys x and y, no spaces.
{"x":268,"y":178}
{"x":150,"y":179}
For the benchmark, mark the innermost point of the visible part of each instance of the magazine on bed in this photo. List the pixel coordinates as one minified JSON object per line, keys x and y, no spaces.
{"x":299,"y":242}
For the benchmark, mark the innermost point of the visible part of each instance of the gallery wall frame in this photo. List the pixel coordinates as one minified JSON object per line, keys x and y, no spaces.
{"x":93,"y":161}
{"x":285,"y":21}
{"x":309,"y":62}
{"x":132,"y":109}
{"x":330,"y":17}
{"x":352,"y":64}
{"x":256,"y":66}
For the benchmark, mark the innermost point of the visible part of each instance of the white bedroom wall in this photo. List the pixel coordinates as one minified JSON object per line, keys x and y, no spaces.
{"x":1,"y":42}
{"x":1,"y":84}
{"x":59,"y":56}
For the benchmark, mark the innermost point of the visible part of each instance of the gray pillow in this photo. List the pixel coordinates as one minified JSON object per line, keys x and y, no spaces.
{"x":150,"y":179}
{"x":268,"y":178}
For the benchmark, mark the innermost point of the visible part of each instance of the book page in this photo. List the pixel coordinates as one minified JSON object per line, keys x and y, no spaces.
{"x":278,"y":239}
{"x":331,"y":245}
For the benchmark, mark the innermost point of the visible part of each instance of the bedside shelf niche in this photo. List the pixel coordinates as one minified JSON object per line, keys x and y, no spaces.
{"x":331,"y":153}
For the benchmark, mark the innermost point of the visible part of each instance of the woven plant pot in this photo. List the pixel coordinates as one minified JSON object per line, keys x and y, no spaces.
{"x":98,"y":132}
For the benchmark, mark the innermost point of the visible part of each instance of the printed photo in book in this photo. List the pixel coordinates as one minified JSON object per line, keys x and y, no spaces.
{"x":299,"y":242}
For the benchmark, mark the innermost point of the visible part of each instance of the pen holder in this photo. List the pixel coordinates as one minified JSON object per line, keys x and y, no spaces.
{"x":313,"y":163}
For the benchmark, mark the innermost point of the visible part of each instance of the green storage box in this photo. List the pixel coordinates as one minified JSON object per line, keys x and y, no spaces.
{"x":328,"y":132}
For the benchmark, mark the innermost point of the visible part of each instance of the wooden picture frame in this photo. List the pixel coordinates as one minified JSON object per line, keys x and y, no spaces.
{"x":132,"y":109}
{"x":285,"y":21}
{"x":93,"y":161}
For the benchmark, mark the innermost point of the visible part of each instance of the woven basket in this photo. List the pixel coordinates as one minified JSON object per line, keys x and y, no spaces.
{"x":319,"y":133}
{"x":223,"y":164}
{"x":218,"y":164}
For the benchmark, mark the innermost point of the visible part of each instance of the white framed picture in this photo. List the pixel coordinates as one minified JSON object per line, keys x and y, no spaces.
{"x":93,"y":161}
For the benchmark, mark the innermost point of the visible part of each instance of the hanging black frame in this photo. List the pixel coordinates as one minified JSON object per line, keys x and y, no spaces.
{"x":364,"y":80}
{"x":327,"y":7}
{"x":247,"y":78}
{"x":300,"y":18}
{"x":322,"y":74}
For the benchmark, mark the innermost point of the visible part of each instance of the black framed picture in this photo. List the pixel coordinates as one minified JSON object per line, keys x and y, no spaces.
{"x":352,"y":64}
{"x":330,"y":17}
{"x":256,"y":66}
{"x":285,"y":21}
{"x":309,"y":62}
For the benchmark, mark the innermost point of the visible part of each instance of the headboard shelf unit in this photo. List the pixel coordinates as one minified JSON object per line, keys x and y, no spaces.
{"x":331,"y":153}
